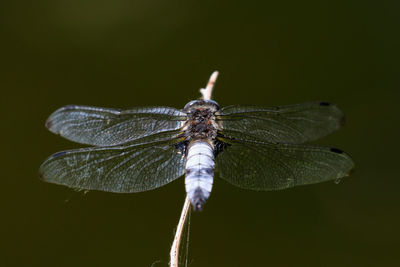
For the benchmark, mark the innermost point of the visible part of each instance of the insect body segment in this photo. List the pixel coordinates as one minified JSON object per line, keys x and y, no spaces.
{"x":199,"y":173}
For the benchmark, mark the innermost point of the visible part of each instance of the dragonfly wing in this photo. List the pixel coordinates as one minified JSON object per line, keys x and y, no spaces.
{"x":294,"y":124}
{"x":121,"y":169}
{"x":266,"y":166}
{"x":110,"y":127}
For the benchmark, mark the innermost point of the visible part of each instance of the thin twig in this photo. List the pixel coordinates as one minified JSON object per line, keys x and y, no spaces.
{"x":206,"y":92}
{"x":174,"y":253}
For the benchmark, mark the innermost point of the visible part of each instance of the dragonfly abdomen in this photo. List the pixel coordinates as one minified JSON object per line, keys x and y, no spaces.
{"x":199,"y":173}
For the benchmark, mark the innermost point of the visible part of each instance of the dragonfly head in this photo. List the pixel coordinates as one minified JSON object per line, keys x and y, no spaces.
{"x":200,"y":103}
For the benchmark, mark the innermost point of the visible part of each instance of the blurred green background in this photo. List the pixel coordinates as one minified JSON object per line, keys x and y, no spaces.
{"x":137,"y":53}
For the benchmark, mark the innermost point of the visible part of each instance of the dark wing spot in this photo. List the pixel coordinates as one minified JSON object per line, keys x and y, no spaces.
{"x":324,"y":104}
{"x":58,"y":154}
{"x":41,"y":176}
{"x":336,"y":150}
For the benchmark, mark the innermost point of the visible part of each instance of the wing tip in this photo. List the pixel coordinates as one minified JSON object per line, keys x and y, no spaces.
{"x":50,"y":125}
{"x":42,"y":174}
{"x":350,"y":162}
{"x":340,"y":115}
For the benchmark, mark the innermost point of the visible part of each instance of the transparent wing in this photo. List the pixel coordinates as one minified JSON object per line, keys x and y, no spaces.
{"x":121,"y":169}
{"x":264,"y":166}
{"x":287,"y":124}
{"x":109,"y":127}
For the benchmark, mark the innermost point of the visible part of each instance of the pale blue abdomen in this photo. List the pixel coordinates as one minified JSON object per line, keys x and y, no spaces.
{"x":199,"y":173}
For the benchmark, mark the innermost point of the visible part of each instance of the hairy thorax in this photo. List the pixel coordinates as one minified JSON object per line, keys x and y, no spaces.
{"x":201,"y":123}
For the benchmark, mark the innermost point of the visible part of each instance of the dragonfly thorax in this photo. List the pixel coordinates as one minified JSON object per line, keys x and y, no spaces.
{"x":200,"y":123}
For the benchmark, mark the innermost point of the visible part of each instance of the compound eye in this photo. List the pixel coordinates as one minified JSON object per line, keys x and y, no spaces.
{"x":201,"y":102}
{"x":190,"y":104}
{"x":212,"y":102}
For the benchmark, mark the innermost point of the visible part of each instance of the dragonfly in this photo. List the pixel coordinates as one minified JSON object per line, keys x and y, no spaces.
{"x":253,"y":147}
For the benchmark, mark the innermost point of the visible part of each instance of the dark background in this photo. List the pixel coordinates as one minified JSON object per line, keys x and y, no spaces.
{"x":137,"y":53}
